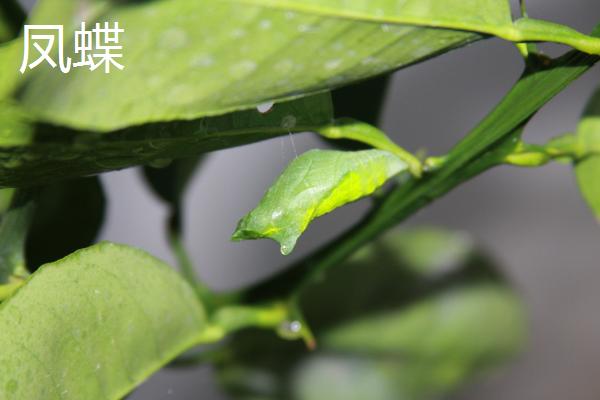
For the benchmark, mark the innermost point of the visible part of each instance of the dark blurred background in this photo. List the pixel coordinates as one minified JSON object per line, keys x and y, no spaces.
{"x":532,"y":221}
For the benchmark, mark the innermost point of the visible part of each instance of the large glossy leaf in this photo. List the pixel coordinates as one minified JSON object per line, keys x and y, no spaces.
{"x":314,"y":184}
{"x":94,"y":325}
{"x":241,"y":55}
{"x":67,"y":217}
{"x":587,"y":170}
{"x":248,"y":52}
{"x":491,"y":17}
{"x":388,"y":325}
{"x":61,"y":153}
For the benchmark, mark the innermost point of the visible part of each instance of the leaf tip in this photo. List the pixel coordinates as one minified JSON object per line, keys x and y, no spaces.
{"x":286,"y":246}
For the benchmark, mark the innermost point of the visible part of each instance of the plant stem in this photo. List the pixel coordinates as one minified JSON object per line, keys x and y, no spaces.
{"x":186,"y":266}
{"x":465,"y":160}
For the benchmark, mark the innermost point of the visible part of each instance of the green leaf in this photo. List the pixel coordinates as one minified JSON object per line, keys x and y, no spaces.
{"x":245,"y":53}
{"x":387,"y":328}
{"x":587,"y":169}
{"x":16,"y":126}
{"x":67,"y":217}
{"x":94,"y":325}
{"x":169,"y":183}
{"x":248,"y":52}
{"x":346,"y":128}
{"x":14,"y":224}
{"x":492,"y":17}
{"x":588,"y":178}
{"x":314,"y":184}
{"x":469,"y":158}
{"x":372,"y":93}
{"x":63,"y":153}
{"x":9,"y":67}
{"x":588,"y":131}
{"x":240,"y":56}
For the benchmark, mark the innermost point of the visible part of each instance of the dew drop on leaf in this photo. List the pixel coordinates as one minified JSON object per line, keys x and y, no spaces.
{"x":265,"y":107}
{"x":290,"y":330}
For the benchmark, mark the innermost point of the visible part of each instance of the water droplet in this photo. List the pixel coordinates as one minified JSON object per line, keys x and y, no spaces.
{"x":182,"y":94}
{"x":333,"y":64}
{"x":276,"y":214}
{"x":242,"y":68}
{"x":290,"y":330}
{"x":203,"y":61}
{"x":284,"y":66}
{"x":173,"y":38}
{"x":288,"y":122}
{"x":338,"y":46}
{"x":265,"y":24}
{"x":154,"y":81}
{"x":238,"y":33}
{"x":369,"y":60}
{"x":305,"y":28}
{"x":265,"y":107}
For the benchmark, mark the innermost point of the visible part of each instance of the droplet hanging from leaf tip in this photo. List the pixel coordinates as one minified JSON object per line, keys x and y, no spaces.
{"x":264,"y":108}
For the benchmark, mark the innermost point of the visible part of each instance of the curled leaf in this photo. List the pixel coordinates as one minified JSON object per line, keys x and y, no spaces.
{"x":314,"y":184}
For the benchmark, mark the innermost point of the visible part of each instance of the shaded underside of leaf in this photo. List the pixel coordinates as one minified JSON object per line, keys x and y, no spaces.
{"x":33,"y":154}
{"x":94,"y":325}
{"x":314,"y":184}
{"x":14,"y":224}
{"x":67,"y":217}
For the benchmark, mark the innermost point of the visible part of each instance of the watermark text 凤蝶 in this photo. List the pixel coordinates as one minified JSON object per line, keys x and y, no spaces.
{"x":96,"y":48}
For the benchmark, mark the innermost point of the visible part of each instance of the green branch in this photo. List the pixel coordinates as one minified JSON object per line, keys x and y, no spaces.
{"x":468,"y":158}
